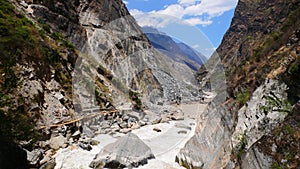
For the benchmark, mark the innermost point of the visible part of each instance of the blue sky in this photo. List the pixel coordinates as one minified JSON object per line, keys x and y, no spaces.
{"x":198,"y":23}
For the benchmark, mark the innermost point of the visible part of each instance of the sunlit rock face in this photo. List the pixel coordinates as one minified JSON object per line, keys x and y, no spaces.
{"x":257,"y":52}
{"x":106,"y":34}
{"x":212,"y":145}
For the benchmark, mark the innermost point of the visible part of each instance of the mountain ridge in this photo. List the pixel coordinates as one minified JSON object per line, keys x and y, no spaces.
{"x":177,"y":51}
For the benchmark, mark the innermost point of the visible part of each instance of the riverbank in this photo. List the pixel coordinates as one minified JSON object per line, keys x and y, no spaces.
{"x":164,"y":139}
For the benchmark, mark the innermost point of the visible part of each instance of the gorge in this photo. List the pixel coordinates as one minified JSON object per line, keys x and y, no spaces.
{"x":82,"y":86}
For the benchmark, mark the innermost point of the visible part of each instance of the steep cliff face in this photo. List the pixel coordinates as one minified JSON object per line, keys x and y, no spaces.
{"x":108,"y":34}
{"x":260,"y":54}
{"x":35,"y":69}
{"x":34,"y":83}
{"x":256,"y":20}
{"x":258,"y":30}
{"x":68,"y":17}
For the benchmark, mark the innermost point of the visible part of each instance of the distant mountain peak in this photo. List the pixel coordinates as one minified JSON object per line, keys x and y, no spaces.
{"x":174,"y":49}
{"x":150,"y":29}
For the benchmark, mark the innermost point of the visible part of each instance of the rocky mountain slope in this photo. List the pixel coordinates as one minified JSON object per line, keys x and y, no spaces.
{"x":77,"y":68}
{"x":72,"y":69}
{"x":255,"y":125}
{"x":35,"y":90}
{"x":177,"y":51}
{"x":112,"y":37}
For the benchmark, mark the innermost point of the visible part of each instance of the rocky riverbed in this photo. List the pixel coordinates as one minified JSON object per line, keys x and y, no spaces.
{"x":161,"y":136}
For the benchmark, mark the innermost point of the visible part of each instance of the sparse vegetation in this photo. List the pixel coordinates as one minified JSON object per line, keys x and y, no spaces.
{"x":134,"y":96}
{"x":292,"y":78}
{"x":243,"y":97}
{"x":286,"y":138}
{"x":59,"y":37}
{"x":227,"y":72}
{"x":294,"y":67}
{"x":264,"y":52}
{"x":275,"y":165}
{"x":103,"y":71}
{"x":241,"y":147}
{"x":102,"y":93}
{"x":23,"y":42}
{"x":275,"y":104}
{"x":291,"y":20}
{"x":18,"y":38}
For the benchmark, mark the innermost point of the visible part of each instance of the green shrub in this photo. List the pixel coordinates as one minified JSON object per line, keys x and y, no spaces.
{"x":228,"y":72}
{"x":16,"y":125}
{"x":56,"y":36}
{"x":59,"y":37}
{"x":46,"y":27}
{"x":275,"y":104}
{"x":134,"y":96}
{"x":275,"y":165}
{"x":240,"y":149}
{"x":243,"y":97}
{"x":294,"y":67}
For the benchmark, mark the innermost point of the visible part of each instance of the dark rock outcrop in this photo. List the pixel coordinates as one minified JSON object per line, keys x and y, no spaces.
{"x":12,"y":156}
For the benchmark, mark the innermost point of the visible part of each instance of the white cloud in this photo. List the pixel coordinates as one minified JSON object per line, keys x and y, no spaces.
{"x":212,"y":8}
{"x":198,"y":21}
{"x":125,"y":2}
{"x":136,"y":12}
{"x":172,"y":10}
{"x":194,"y":12}
{"x":153,"y":19}
{"x":186,"y":2}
